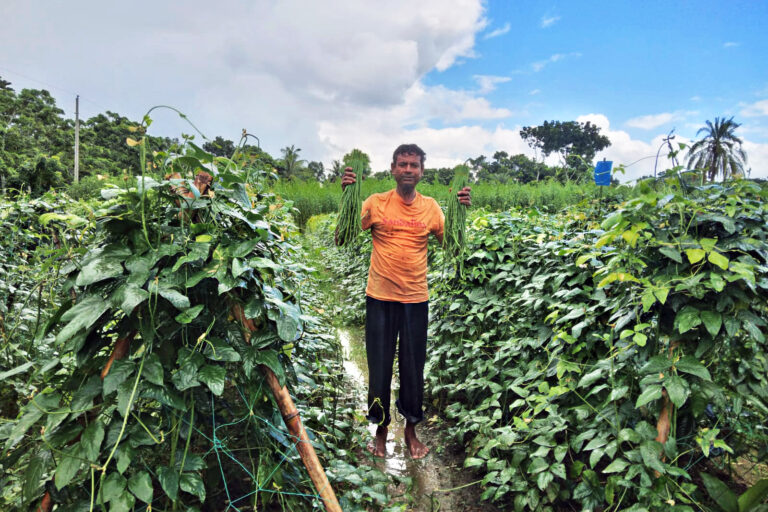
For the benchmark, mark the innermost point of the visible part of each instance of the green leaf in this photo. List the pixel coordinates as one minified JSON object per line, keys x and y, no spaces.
{"x":186,"y":376}
{"x":153,"y":369}
{"x":69,"y":464}
{"x":754,"y":495}
{"x":650,"y":452}
{"x":81,"y":316}
{"x":123,"y":503}
{"x":656,"y":364}
{"x":238,"y":267}
{"x":537,"y":466}
{"x":289,"y":323}
{"x":178,"y":299}
{"x":38,"y":465}
{"x":119,"y":371}
{"x":140,"y":485}
{"x":651,"y":393}
{"x":544,"y":479}
{"x":90,"y":440}
{"x":128,"y":296}
{"x":254,"y":357}
{"x":190,"y":314}
{"x":220,"y":351}
{"x":113,"y":486}
{"x":661,"y":294}
{"x":695,"y":255}
{"x":590,"y":378}
{"x":671,"y":253}
{"x":708,"y":244}
{"x":214,"y":377}
{"x":83,"y":397}
{"x":720,"y":492}
{"x":686,"y":319}
{"x":15,"y":371}
{"x":193,"y":484}
{"x":691,"y":365}
{"x":640,"y":339}
{"x":677,"y":389}
{"x":471,"y":462}
{"x":106,"y":265}
{"x":718,"y":259}
{"x":712,"y":321}
{"x":169,"y":481}
{"x":617,"y":466}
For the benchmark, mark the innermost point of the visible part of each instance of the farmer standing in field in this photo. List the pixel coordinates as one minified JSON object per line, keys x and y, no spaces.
{"x":400,"y":221}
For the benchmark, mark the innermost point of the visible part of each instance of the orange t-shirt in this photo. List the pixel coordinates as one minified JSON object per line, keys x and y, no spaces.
{"x":398,"y":269}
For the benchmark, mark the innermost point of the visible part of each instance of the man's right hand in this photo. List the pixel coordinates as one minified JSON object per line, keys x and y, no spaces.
{"x":348,"y":179}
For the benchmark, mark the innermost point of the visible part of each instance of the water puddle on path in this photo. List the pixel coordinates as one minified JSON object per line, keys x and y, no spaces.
{"x":436,"y":477}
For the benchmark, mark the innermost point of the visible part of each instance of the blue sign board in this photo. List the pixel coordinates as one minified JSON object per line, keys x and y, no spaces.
{"x":603,"y":173}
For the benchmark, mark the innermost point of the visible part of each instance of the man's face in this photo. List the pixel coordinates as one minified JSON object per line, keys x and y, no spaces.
{"x":407,"y":170}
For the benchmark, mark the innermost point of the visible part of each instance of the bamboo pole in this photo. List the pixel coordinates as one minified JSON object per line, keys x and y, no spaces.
{"x":293,"y":423}
{"x":303,"y":445}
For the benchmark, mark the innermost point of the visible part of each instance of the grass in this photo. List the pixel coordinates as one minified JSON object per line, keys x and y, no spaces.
{"x":312,"y":198}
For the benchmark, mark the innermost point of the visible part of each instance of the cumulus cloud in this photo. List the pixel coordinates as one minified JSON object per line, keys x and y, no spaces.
{"x":498,"y":32}
{"x":548,"y":21}
{"x":756,"y":109}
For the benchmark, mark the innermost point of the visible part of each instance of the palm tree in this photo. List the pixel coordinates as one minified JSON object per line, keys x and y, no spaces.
{"x":291,"y":161}
{"x":719,"y":151}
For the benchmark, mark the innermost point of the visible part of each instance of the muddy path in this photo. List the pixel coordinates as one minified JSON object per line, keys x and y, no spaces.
{"x":438,"y":482}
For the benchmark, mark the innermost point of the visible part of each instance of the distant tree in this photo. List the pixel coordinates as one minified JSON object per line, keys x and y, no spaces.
{"x":290,"y":164}
{"x":566,"y":138}
{"x":31,"y":127}
{"x":336,"y":171}
{"x":357,"y":154}
{"x":719,"y":151}
{"x":317,"y":170}
{"x":220,"y":147}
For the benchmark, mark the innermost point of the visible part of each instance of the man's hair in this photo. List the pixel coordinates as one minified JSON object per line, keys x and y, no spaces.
{"x":409,"y":149}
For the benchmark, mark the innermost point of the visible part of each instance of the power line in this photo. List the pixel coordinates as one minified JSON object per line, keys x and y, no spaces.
{"x":51,"y":86}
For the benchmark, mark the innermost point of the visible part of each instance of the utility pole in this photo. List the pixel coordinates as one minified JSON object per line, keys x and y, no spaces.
{"x":77,"y":138}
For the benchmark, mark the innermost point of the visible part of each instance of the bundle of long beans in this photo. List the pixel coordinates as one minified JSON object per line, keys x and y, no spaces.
{"x":456,"y":220}
{"x":349,"y":225}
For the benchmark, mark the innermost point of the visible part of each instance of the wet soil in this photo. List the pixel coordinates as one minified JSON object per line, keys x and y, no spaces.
{"x":438,"y":482}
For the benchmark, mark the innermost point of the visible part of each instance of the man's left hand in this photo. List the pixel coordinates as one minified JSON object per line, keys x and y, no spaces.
{"x":465,"y":196}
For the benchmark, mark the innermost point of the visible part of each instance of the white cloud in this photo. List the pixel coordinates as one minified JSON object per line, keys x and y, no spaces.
{"x":280,"y":69}
{"x":498,"y":32}
{"x":756,"y":109}
{"x":695,"y":98}
{"x":488,"y":83}
{"x":730,"y":44}
{"x":538,"y":66}
{"x":534,"y":92}
{"x":548,"y":21}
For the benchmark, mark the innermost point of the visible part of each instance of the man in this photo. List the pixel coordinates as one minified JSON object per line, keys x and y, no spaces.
{"x":400,"y":221}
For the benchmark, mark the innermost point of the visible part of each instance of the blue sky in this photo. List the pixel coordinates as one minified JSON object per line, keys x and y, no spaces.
{"x":459,"y":78}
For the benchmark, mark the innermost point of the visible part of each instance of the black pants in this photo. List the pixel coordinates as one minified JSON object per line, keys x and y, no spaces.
{"x":385,"y":322}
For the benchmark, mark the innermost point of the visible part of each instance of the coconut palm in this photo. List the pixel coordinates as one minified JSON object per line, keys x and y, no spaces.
{"x":719,"y":152}
{"x":291,"y":163}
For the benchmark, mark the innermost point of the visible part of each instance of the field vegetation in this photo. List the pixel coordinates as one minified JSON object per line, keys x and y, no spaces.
{"x":601,"y":348}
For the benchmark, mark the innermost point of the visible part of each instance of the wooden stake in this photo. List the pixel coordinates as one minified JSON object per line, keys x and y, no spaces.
{"x":293,"y":423}
{"x":303,"y":446}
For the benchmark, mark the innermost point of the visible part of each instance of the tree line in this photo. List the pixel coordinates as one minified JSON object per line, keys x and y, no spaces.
{"x":37,"y":140}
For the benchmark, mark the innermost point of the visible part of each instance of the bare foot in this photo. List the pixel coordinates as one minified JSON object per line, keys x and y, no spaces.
{"x":379,"y":447}
{"x":418,"y":449}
